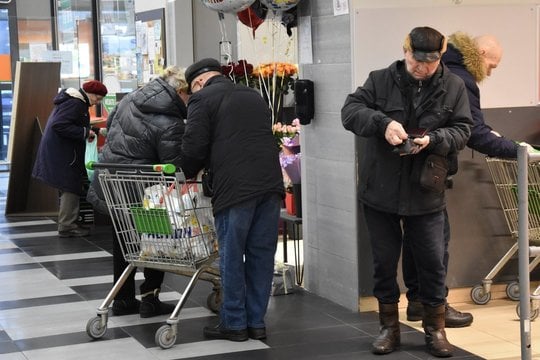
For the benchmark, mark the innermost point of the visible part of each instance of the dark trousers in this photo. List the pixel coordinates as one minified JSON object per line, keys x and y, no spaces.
{"x":152,"y":278}
{"x":426,"y":242}
{"x":410,"y":275}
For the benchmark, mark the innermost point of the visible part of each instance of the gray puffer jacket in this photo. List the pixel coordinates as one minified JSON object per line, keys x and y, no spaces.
{"x":146,"y":127}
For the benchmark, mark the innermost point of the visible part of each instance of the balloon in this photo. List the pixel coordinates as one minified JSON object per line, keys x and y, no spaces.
{"x":253,"y":16}
{"x":227,"y":6}
{"x":280,"y":5}
{"x":289,"y":19}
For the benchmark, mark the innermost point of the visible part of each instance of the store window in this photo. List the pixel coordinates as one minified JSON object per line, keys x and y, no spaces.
{"x":5,"y":83}
{"x":75,"y":42}
{"x":118,"y":45}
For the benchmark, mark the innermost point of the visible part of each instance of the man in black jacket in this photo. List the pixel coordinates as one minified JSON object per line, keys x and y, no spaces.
{"x":229,"y":130}
{"x":472,"y":59}
{"x":411,"y":116}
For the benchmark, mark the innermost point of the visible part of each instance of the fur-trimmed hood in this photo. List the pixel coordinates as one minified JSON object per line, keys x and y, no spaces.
{"x":471,"y":57}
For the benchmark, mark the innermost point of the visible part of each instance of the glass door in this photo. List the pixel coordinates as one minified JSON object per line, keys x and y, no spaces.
{"x":6,"y":68}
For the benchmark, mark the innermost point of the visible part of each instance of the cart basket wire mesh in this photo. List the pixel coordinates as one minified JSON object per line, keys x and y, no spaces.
{"x":162,"y":221}
{"x":504,"y":175}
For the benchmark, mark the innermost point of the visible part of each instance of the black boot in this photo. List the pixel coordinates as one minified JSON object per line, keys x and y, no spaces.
{"x":389,"y":335}
{"x":152,"y":306}
{"x":433,"y":324}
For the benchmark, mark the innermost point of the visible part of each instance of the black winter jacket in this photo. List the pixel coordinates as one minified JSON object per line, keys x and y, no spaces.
{"x":389,"y":182}
{"x":464,"y":60}
{"x":229,"y":126}
{"x":146,"y":127}
{"x":60,"y":157}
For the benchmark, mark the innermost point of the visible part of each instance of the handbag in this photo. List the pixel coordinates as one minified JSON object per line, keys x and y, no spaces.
{"x":434,"y":173}
{"x":206,"y":181}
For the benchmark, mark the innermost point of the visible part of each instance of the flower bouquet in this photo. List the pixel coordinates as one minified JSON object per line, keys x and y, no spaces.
{"x":287,"y":135}
{"x":240,"y":73}
{"x":275,"y":79}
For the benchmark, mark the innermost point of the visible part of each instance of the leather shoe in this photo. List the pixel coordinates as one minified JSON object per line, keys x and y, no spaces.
{"x":125,"y":307}
{"x":452,"y":317}
{"x":456,"y":319}
{"x":257,"y":333}
{"x":152,"y":306}
{"x":219,"y":332}
{"x":77,"y":232}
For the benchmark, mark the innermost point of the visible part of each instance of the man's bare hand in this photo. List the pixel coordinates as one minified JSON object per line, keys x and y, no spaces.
{"x":395,"y":134}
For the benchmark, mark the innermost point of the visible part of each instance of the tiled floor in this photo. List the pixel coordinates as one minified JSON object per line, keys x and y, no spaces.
{"x":51,"y":287}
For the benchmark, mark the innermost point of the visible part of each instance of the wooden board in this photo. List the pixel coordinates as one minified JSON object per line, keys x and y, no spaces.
{"x":35,"y":86}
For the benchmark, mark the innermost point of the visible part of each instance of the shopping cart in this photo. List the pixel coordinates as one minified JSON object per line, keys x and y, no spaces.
{"x":162,"y":222}
{"x":504,"y":173}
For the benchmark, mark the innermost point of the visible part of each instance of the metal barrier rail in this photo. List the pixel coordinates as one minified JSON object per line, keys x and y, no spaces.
{"x":524,"y":250}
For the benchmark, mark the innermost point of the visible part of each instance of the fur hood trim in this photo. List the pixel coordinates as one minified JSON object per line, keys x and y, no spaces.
{"x":472,"y":59}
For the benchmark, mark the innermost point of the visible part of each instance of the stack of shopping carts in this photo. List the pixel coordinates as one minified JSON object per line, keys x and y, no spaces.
{"x":504,"y":173}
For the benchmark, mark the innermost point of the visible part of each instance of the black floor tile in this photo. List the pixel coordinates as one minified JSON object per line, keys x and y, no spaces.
{"x":67,"y":339}
{"x":80,"y":268}
{"x":19,"y":267}
{"x":49,"y":300}
{"x":54,"y":245}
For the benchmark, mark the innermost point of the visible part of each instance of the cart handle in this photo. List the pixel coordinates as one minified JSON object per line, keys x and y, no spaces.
{"x":164,"y":168}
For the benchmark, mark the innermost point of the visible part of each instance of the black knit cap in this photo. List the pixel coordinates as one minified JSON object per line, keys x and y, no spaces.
{"x":427,"y":44}
{"x":200,"y":67}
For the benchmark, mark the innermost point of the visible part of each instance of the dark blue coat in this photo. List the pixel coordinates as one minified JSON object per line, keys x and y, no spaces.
{"x":60,"y":157}
{"x":482,"y":139}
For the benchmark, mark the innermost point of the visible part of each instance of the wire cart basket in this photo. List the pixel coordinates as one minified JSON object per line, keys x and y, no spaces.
{"x":162,"y":222}
{"x":504,"y":173}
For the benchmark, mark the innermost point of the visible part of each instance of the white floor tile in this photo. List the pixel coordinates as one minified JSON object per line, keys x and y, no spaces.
{"x":206,"y":348}
{"x":30,"y":283}
{"x":73,"y":256}
{"x":26,"y":223}
{"x":28,"y":235}
{"x":104,"y":350}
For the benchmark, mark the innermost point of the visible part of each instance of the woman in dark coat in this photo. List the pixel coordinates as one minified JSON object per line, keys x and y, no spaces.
{"x":60,"y":157}
{"x":146,"y":127}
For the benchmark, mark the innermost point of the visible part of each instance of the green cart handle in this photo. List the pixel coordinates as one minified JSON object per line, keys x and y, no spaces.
{"x":164,"y":168}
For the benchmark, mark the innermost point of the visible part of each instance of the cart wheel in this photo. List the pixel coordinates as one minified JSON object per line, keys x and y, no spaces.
{"x":165,"y":337}
{"x":512,"y":291}
{"x":533,"y":315}
{"x":94,"y":329}
{"x":214,"y":301}
{"x":479,"y":296}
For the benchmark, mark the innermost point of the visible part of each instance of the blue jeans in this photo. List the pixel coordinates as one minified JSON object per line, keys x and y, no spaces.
{"x":425,"y":235}
{"x":247,"y":235}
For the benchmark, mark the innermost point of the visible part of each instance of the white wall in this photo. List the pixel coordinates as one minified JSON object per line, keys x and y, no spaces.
{"x":146,"y":5}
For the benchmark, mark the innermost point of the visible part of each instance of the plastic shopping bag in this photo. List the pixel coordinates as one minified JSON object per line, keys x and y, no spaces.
{"x":91,"y":154}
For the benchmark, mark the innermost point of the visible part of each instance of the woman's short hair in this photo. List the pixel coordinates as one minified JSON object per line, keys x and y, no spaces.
{"x":175,"y":76}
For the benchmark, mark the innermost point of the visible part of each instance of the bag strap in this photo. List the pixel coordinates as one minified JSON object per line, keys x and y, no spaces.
{"x":223,"y":100}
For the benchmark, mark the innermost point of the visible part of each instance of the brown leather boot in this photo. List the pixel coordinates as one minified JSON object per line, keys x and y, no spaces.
{"x":389,"y":335}
{"x":433,"y":324}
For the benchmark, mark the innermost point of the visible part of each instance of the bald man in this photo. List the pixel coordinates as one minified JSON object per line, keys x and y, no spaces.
{"x":472,"y":59}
